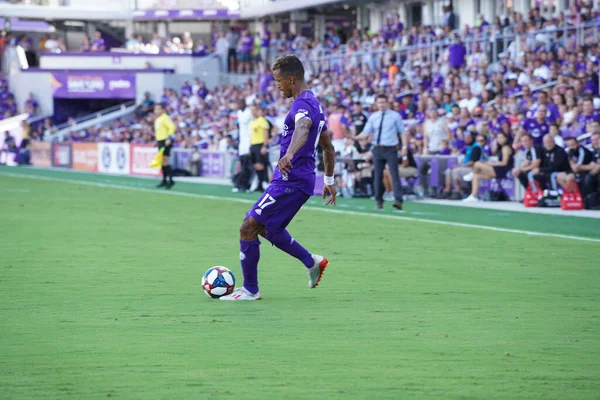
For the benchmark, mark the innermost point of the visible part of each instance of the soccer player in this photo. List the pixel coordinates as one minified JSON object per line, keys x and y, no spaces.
{"x":163,"y":129}
{"x":259,"y":142}
{"x":293,"y":182}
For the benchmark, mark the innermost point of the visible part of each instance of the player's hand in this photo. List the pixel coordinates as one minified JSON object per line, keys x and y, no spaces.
{"x":331,"y":191}
{"x":263,"y":150}
{"x":285,"y":164}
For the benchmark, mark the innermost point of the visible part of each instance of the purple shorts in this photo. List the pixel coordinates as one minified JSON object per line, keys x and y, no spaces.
{"x":276,"y":208}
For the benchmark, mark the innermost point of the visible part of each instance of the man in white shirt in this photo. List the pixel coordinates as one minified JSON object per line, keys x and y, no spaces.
{"x":468,"y":100}
{"x":433,"y":132}
{"x":541,"y":70}
{"x":244,"y":116}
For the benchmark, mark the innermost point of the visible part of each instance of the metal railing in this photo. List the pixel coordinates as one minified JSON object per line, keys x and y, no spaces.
{"x":86,"y":121}
{"x":489,"y":42}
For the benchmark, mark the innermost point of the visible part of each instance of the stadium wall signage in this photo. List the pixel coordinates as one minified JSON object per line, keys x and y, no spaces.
{"x":86,"y":85}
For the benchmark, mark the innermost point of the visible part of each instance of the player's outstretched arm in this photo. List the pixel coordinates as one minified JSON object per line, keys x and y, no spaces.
{"x":329,"y":162}
{"x":299,"y":137}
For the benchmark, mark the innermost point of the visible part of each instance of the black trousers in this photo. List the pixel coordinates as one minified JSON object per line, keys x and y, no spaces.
{"x":591,"y":184}
{"x":381,"y":157}
{"x":523,"y":179}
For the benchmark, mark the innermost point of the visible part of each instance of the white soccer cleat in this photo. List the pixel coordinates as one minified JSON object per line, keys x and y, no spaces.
{"x":316,"y":272}
{"x":471,"y":199}
{"x":241,"y":294}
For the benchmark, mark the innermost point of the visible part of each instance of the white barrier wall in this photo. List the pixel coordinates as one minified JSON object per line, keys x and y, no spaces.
{"x":21,"y":84}
{"x":180,"y":63}
{"x":114,"y":158}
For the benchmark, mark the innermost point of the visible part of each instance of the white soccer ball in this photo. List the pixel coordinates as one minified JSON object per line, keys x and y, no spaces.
{"x":218,"y":281}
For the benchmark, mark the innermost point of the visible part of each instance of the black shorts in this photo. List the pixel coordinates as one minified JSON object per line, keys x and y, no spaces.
{"x":163,"y":143}
{"x":256,"y":156}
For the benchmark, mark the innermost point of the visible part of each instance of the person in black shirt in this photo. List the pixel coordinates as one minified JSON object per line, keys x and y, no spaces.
{"x":7,"y":147}
{"x":554,"y":161}
{"x":359,"y":118}
{"x":532,"y":161}
{"x":591,"y":182}
{"x":581,"y":161}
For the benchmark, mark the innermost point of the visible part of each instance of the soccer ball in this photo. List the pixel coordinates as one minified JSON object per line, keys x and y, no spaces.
{"x":218,"y":281}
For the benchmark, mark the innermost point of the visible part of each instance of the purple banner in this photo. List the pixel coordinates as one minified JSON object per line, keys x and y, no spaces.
{"x":213,"y":163}
{"x":89,"y":85}
{"x":185,"y":14}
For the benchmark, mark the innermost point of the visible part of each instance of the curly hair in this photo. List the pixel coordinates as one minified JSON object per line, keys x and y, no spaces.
{"x":289,"y":65}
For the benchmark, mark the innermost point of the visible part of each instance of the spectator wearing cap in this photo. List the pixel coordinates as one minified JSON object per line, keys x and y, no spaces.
{"x":407,"y":108}
{"x":455,"y":176}
{"x":385,"y":127}
{"x":489,"y":170}
{"x":359,"y":118}
{"x":554,"y":160}
{"x":532,"y":161}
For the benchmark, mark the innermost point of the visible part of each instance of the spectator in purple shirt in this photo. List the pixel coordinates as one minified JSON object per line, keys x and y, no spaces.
{"x":265,"y":45}
{"x":536,"y":127}
{"x":31,"y":105}
{"x":456,"y":54}
{"x":245,"y":45}
{"x":186,"y":89}
{"x":586,"y":116}
{"x":497,"y":122}
{"x":552,"y":113}
{"x":85,"y":44}
{"x":98,"y":43}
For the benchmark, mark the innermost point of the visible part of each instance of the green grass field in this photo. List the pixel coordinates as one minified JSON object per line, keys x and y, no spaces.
{"x":100,"y":298}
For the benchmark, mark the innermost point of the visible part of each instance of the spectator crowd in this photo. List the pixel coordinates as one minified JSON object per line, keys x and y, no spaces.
{"x":513,"y":85}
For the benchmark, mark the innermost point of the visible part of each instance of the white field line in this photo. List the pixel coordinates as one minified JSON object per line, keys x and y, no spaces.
{"x":321,"y":209}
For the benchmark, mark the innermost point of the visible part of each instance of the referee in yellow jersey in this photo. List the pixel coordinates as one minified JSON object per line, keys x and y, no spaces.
{"x":163,"y":129}
{"x":259,"y":141}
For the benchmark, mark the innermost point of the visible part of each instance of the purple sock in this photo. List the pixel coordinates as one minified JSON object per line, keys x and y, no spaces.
{"x":284,"y":242}
{"x":249,"y":256}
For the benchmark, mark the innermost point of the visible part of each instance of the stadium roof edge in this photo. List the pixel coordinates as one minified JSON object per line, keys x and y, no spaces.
{"x":63,"y":13}
{"x":280,"y":6}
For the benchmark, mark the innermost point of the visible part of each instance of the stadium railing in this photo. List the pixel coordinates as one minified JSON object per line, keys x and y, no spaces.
{"x":96,"y":118}
{"x":493,"y":44}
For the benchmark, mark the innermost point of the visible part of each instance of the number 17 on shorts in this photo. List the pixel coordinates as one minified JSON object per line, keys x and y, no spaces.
{"x":277,"y":206}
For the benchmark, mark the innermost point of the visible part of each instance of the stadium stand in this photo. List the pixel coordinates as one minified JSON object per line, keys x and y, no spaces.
{"x":446,"y":84}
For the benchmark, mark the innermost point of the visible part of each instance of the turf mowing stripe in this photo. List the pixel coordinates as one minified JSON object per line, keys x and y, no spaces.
{"x":322,"y":209}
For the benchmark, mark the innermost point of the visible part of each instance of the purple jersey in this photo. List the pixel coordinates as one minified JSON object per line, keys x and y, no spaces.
{"x":246,"y":44}
{"x":583,"y":120}
{"x":535,"y":129}
{"x":551,"y":115}
{"x":98,"y":45}
{"x":496,"y":125}
{"x":186,"y":90}
{"x":266,"y":39}
{"x":302,"y":175}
